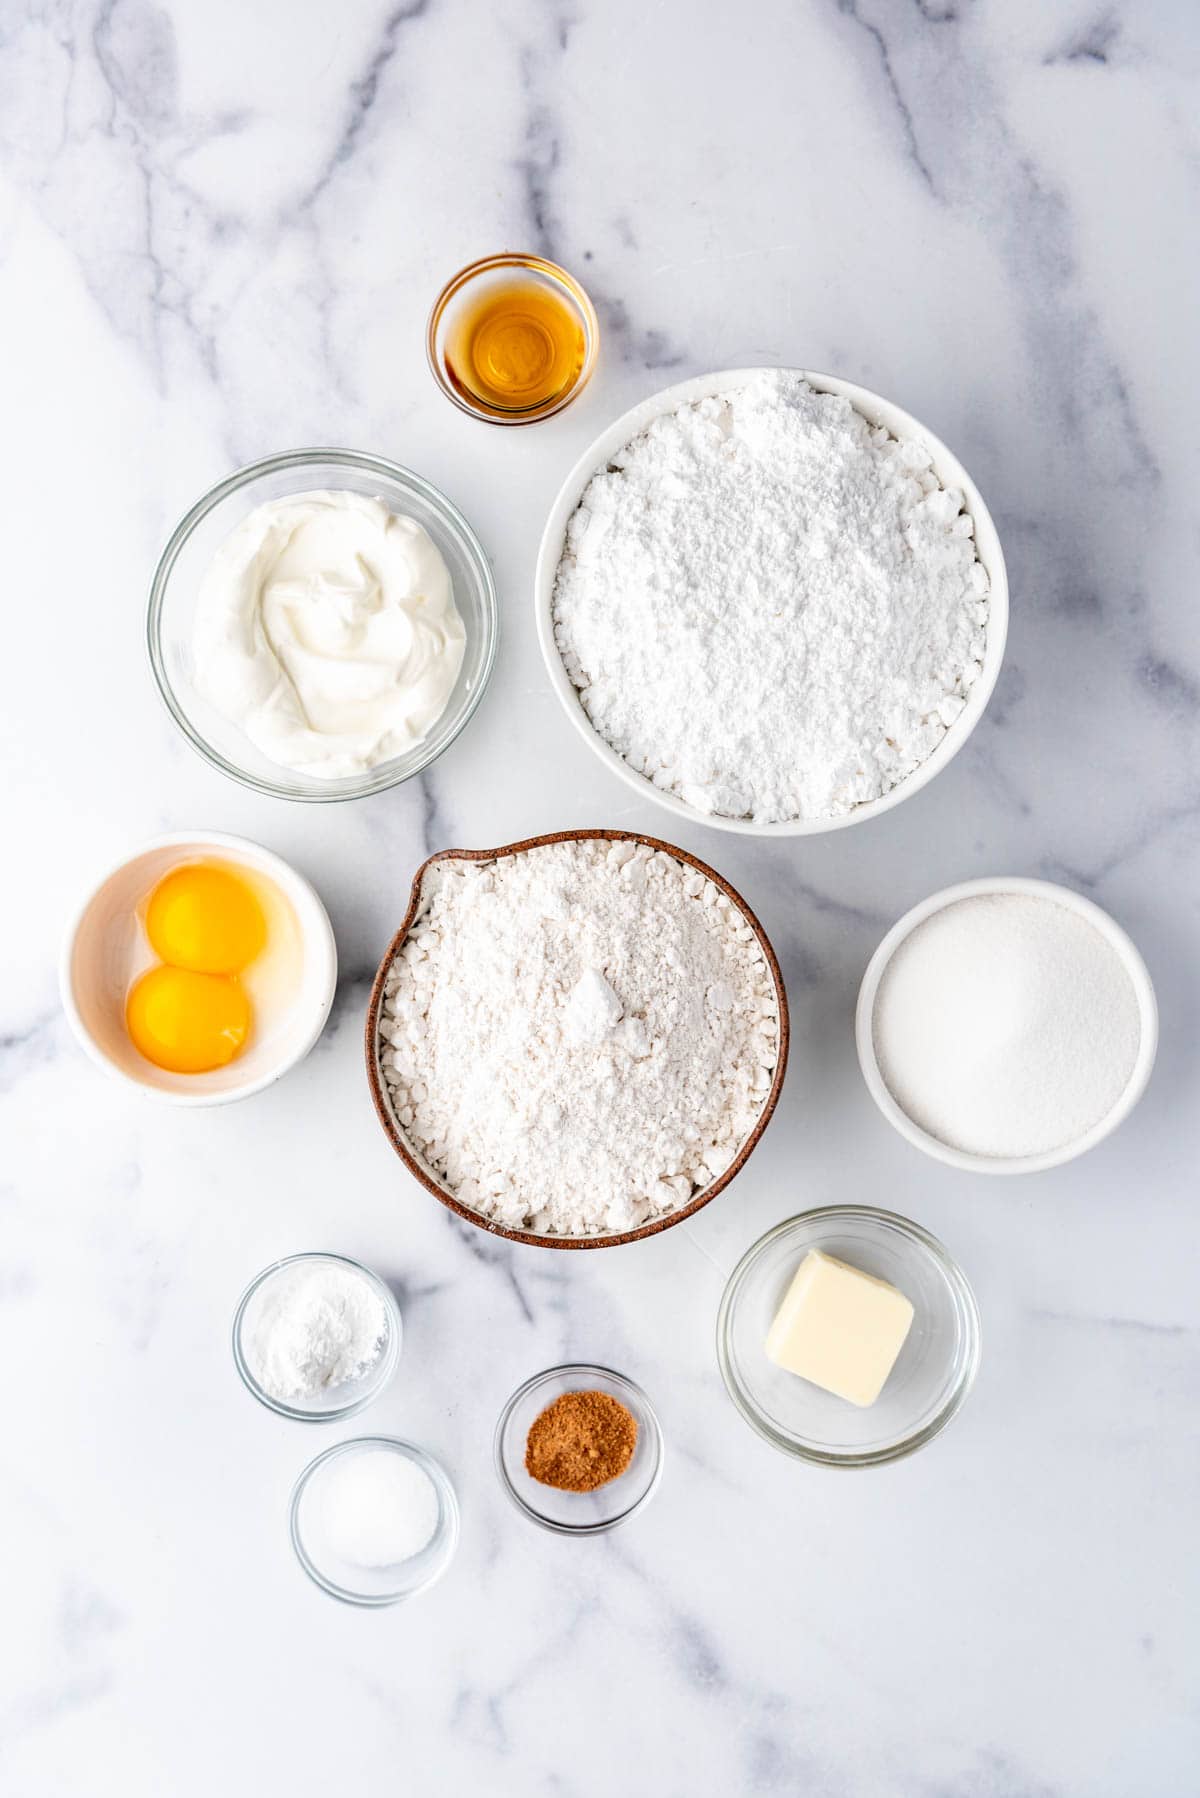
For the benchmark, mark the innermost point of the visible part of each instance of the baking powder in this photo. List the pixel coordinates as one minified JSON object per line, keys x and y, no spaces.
{"x":318,"y":1325}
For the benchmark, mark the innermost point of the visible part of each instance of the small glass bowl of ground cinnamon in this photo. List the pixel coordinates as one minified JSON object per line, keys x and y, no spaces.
{"x":579,"y":1449}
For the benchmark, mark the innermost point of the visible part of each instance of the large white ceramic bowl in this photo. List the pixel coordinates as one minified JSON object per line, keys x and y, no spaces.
{"x":1117,"y":940}
{"x":879,"y":411}
{"x":101,"y":954}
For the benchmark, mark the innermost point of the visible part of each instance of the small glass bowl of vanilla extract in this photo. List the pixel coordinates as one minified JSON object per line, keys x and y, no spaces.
{"x":512,"y":339}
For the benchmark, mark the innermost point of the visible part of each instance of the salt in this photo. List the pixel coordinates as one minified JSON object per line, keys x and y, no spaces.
{"x":1006,"y":1025}
{"x":376,"y":1507}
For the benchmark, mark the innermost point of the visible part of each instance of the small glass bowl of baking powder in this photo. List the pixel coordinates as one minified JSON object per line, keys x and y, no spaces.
{"x":578,"y":1513}
{"x":316,"y":1337}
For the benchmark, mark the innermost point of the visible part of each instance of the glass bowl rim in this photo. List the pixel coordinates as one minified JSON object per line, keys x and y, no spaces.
{"x":388,"y":1363}
{"x":448,"y":1535}
{"x":514,"y":259}
{"x":377,"y":779}
{"x":649,"y":1414}
{"x":905,"y":1445}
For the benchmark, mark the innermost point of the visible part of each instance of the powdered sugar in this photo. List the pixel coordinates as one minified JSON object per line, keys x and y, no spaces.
{"x":771,"y":608}
{"x":579,"y":1037}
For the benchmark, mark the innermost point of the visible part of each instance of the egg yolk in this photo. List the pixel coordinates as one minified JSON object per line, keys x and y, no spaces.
{"x":187,"y":1022}
{"x":204,"y":918}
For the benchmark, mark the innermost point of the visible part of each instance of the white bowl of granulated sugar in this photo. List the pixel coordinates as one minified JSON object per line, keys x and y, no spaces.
{"x":771,"y":601}
{"x":1005,"y":1026}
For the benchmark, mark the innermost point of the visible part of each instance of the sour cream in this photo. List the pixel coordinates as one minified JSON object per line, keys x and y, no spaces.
{"x":326,"y":630}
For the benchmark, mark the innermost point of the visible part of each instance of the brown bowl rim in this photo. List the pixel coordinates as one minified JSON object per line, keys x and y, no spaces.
{"x":371,"y":1039}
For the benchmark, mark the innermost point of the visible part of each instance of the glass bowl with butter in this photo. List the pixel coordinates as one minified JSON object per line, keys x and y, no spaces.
{"x":848,"y":1336}
{"x":322,"y":625}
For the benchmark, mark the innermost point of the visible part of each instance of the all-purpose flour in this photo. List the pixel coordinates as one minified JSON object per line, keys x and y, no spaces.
{"x":581,"y":1035}
{"x":769,"y":607}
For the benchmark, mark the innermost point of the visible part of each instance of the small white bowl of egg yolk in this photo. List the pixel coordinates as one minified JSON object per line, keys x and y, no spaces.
{"x":200,"y":969}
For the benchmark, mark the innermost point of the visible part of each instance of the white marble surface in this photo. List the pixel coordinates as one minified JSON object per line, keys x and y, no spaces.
{"x":222,"y":224}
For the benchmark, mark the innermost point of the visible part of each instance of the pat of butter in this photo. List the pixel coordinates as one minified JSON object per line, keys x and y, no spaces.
{"x":840,"y":1328}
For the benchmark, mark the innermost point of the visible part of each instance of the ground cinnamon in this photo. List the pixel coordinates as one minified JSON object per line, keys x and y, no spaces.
{"x":581,"y":1441}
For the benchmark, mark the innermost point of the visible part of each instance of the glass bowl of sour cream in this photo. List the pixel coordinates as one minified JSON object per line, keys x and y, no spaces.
{"x":322,"y":624}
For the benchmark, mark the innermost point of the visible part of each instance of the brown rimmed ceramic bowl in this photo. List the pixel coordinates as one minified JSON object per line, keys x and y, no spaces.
{"x":404,"y":1148}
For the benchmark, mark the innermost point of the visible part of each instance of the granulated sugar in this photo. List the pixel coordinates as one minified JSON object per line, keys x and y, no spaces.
{"x":1006,"y":1025}
{"x":581,"y":1035}
{"x":769,"y":607}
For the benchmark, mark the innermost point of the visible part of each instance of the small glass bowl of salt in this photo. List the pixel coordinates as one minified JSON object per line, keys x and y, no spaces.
{"x":374,"y":1520}
{"x":316,"y":1337}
